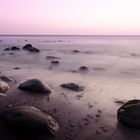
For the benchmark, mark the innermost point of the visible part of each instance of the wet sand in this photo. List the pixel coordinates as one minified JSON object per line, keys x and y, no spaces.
{"x":113,"y":77}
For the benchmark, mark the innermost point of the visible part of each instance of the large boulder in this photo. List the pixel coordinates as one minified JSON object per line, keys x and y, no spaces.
{"x":72,"y":86}
{"x":35,"y":85}
{"x":129,"y":114}
{"x":29,"y":120}
{"x":4,"y":87}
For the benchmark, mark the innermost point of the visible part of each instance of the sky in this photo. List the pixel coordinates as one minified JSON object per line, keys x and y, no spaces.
{"x":71,"y":17}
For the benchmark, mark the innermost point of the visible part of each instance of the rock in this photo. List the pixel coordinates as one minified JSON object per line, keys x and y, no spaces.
{"x":75,"y":51}
{"x":83,"y":68}
{"x":16,"y":68}
{"x":6,"y":49}
{"x":29,"y":120}
{"x":6,"y":79}
{"x":33,"y":49}
{"x":52,"y":57}
{"x":129,"y":114}
{"x":11,"y":53}
{"x":72,"y":86}
{"x":35,"y":85}
{"x":55,"y":62}
{"x":27,"y":47}
{"x":14,"y":48}
{"x":30,"y":48}
{"x":4,"y":87}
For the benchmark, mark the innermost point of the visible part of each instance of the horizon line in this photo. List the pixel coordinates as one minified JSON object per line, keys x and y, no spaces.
{"x":67,"y":35}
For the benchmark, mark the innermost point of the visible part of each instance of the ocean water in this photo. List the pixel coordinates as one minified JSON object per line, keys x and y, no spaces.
{"x":104,"y":55}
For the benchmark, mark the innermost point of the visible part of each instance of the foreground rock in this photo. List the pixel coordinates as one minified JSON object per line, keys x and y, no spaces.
{"x":4,"y":87}
{"x":29,"y":120}
{"x":129,"y":114}
{"x":72,"y":86}
{"x":30,"y":48}
{"x":35,"y":85}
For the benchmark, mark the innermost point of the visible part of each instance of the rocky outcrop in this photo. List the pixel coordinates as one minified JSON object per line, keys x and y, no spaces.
{"x":29,"y":120}
{"x":34,"y":85}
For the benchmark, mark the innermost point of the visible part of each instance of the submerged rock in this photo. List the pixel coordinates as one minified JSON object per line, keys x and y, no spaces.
{"x":75,"y":51}
{"x":72,"y":86}
{"x":55,"y":62}
{"x":30,"y":48}
{"x":29,"y":120}
{"x":27,"y":47}
{"x":83,"y":68}
{"x":129,"y":114}
{"x":14,"y":48}
{"x":35,"y":85}
{"x":52,"y":57}
{"x":4,"y":87}
{"x":6,"y":49}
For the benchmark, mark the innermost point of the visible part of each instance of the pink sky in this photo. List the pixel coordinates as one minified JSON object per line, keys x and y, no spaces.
{"x":69,"y":17}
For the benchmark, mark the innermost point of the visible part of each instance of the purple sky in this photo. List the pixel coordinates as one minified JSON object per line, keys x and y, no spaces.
{"x":69,"y":16}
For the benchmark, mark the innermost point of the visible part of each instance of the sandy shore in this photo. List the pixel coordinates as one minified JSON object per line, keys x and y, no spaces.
{"x":87,"y":115}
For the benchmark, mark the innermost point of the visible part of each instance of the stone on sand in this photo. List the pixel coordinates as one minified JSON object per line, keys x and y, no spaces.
{"x":72,"y":86}
{"x":129,"y":114}
{"x":35,"y":85}
{"x":4,"y":87}
{"x":29,"y":120}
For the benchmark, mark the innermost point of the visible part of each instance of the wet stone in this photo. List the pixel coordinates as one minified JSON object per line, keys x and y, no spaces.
{"x":34,"y":85}
{"x":129,"y":114}
{"x":72,"y":86}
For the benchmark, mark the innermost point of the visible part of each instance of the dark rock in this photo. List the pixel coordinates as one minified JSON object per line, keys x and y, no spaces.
{"x":55,"y":62}
{"x":29,"y":120}
{"x":14,"y":48}
{"x":27,"y":47}
{"x":33,"y":49}
{"x":17,"y":68}
{"x":6,"y":49}
{"x":11,"y":53}
{"x":30,"y":48}
{"x":99,"y":69}
{"x":52,"y":57}
{"x":4,"y":87}
{"x":6,"y":79}
{"x":75,"y":51}
{"x":83,"y":68}
{"x":72,"y":86}
{"x":129,"y":114}
{"x":35,"y":85}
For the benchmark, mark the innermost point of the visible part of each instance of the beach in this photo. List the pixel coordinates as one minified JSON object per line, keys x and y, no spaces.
{"x":111,"y":78}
